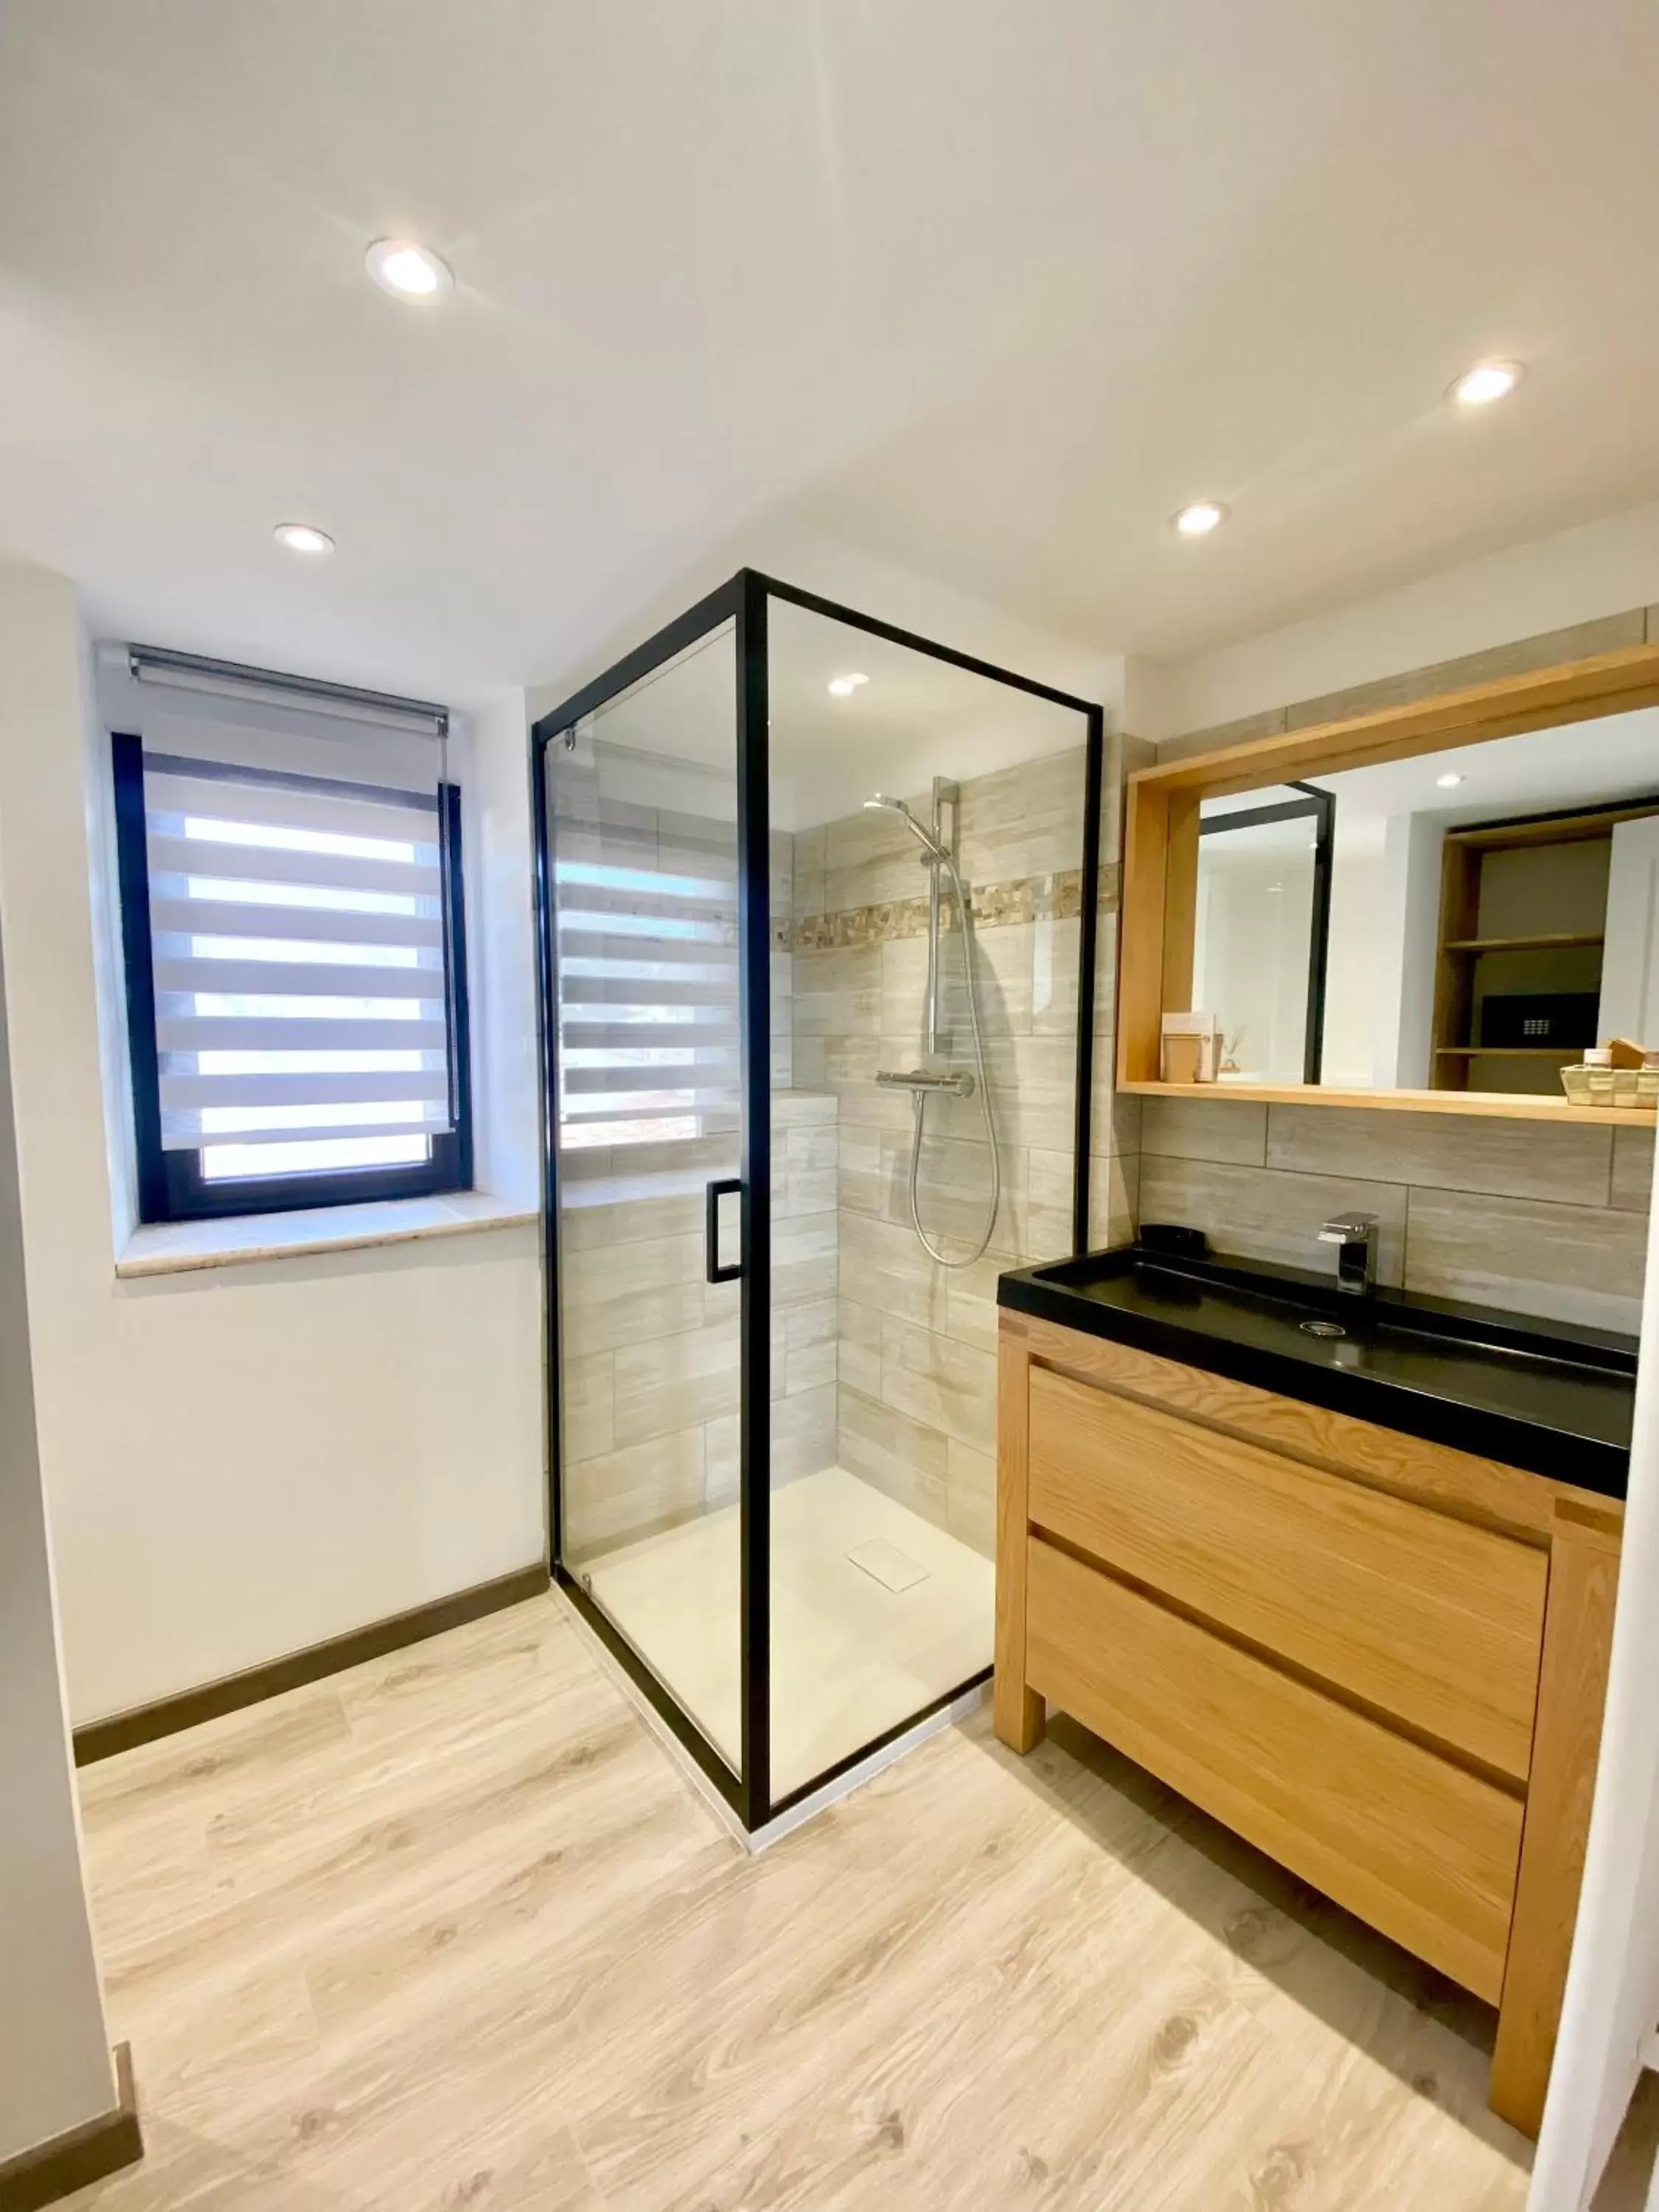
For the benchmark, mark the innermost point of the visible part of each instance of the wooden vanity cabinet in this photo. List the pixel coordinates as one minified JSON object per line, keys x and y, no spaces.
{"x":1382,"y":1661}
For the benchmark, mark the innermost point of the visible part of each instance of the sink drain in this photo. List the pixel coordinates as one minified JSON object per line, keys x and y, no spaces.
{"x":1321,"y":1328}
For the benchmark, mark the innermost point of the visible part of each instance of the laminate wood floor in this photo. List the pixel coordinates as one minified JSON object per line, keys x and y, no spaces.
{"x":451,"y":1931}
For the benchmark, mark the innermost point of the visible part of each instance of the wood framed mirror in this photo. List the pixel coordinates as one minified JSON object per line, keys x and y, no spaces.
{"x":1514,"y":917}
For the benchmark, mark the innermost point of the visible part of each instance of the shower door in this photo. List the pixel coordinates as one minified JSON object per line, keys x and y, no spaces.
{"x":773,"y":1280}
{"x":647,"y":943}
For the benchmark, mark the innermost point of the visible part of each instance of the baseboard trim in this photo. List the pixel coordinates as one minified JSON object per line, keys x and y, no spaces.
{"x":80,"y":2155}
{"x":166,"y":1716}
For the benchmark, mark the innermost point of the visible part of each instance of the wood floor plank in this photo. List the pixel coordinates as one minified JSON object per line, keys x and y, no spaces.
{"x":450,"y":1934}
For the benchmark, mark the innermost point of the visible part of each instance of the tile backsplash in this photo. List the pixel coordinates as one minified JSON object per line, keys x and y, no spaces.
{"x":1540,"y":1218}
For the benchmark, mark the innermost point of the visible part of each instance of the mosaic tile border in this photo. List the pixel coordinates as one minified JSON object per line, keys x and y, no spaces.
{"x":993,"y":906}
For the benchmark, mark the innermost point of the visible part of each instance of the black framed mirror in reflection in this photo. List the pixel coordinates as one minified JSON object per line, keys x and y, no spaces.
{"x":1475,"y":919}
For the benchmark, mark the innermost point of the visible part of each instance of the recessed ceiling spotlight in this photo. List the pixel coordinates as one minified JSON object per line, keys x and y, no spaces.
{"x":1492,"y":379}
{"x":409,"y":271}
{"x":1199,"y":519}
{"x":1450,"y":781}
{"x":843,"y":687}
{"x":301,"y":538}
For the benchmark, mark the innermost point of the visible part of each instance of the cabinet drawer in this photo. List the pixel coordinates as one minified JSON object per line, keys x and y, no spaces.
{"x":1428,"y":1618}
{"x":1416,"y":1846}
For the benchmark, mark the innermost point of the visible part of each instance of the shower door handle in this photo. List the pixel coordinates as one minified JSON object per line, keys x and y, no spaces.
{"x":713,"y":1194}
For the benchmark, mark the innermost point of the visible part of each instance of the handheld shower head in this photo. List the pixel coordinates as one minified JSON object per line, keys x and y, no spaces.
{"x":881,"y":803}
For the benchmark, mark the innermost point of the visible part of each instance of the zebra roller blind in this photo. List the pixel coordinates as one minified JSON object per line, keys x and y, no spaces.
{"x":301,"y":933}
{"x":645,"y":913}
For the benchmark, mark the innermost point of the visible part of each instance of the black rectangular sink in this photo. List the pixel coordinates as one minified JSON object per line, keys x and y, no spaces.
{"x":1551,"y":1397}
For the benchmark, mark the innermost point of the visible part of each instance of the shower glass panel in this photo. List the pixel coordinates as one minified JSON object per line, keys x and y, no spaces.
{"x":642,"y":865}
{"x":928,"y":823}
{"x":819,"y":905}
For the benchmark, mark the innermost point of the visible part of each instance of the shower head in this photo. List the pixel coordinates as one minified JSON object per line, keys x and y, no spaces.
{"x":881,"y":803}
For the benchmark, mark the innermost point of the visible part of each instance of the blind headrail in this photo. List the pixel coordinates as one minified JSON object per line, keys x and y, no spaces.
{"x":194,"y":671}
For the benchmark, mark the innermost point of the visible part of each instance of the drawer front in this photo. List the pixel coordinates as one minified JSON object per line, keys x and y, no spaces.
{"x":1416,"y":1846}
{"x":1428,"y":1618}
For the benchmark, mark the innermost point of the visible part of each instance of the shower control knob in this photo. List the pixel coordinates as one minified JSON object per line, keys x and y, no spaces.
{"x":958,"y":1084}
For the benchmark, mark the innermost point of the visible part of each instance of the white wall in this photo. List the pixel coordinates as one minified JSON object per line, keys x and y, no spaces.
{"x":1576,"y":575}
{"x":246,"y":1460}
{"x":1408,"y":937}
{"x":55,"y":2070}
{"x":1355,"y":969}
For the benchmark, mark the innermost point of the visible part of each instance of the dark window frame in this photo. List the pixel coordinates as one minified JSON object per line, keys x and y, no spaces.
{"x":171,"y":1184}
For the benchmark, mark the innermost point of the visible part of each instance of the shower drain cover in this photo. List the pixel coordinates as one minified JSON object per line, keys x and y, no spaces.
{"x":884,"y":1563}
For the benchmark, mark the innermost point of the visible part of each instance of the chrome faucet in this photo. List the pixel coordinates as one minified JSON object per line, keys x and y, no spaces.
{"x":1354,"y":1235}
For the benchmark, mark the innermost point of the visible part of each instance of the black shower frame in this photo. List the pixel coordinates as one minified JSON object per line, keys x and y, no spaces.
{"x":743,"y":602}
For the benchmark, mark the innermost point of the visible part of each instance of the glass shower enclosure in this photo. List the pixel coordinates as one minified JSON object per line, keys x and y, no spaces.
{"x":817,"y":903}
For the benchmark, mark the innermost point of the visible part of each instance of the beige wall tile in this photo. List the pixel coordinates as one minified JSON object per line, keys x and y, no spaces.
{"x":808,"y":887}
{"x":870,"y":859}
{"x":804,"y":1430}
{"x":902,"y":1457}
{"x":885,"y":1266}
{"x":586,"y":1406}
{"x":1105,"y":981}
{"x":804,"y":1168}
{"x":597,"y":1228}
{"x":1114,"y":1202}
{"x":838,"y":993}
{"x":1632,"y":1169}
{"x":1263,"y":1213}
{"x":804,"y":1259}
{"x":944,"y":1385}
{"x":1569,"y":1262}
{"x":970,"y":1302}
{"x":953,"y":1187}
{"x":621,"y":1495}
{"x":858,"y":1345}
{"x":675,"y":1381}
{"x":1022,"y":820}
{"x":1234,"y":1130}
{"x":722,"y":1454}
{"x":800,"y":1108}
{"x":1056,"y":944}
{"x":972,"y":1498}
{"x":1515,"y":1159}
{"x":1607,"y":634}
{"x":803,"y":1346}
{"x":1002,"y":974}
{"x":651,"y":1288}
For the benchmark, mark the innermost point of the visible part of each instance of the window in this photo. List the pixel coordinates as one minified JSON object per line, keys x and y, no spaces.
{"x":296,"y":961}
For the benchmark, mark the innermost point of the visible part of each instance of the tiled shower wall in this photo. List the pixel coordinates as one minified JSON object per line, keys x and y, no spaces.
{"x":916,"y":1366}
{"x":1541,"y":1219}
{"x":650,"y":1352}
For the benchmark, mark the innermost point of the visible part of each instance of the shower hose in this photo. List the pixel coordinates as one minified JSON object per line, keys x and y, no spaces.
{"x":919,"y":1101}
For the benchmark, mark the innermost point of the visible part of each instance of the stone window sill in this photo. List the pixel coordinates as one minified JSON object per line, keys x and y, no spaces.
{"x":177,"y":1247}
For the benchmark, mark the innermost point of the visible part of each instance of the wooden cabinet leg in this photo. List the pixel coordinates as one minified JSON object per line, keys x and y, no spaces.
{"x":1017,"y":1710}
{"x":1571,"y":1693}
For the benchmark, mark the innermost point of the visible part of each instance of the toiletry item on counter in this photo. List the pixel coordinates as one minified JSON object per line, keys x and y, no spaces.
{"x":1621,"y":1073}
{"x":1189,"y":1048}
{"x":1590,"y":1082}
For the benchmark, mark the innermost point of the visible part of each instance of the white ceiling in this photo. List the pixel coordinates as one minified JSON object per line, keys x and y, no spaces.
{"x":913,"y":718}
{"x":984,"y":290}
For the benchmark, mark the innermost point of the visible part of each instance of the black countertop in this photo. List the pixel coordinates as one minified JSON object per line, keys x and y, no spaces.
{"x":1547,"y":1396}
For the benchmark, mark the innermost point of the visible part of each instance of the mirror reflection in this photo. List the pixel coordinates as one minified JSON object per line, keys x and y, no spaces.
{"x":1472,"y":920}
